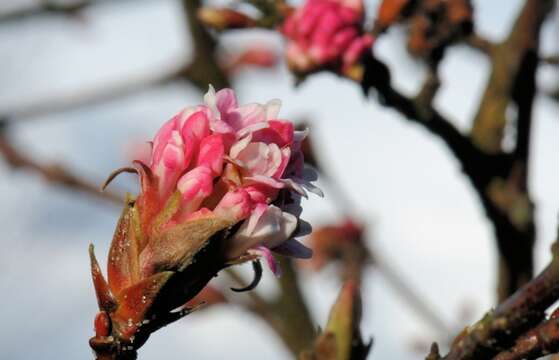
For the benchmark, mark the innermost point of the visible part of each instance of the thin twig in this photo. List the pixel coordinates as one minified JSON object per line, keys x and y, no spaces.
{"x":480,"y":43}
{"x":550,"y":59}
{"x":53,"y":173}
{"x":49,"y":8}
{"x":107,"y":92}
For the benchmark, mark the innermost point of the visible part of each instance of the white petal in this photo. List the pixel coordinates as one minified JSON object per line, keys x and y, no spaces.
{"x":296,"y":186}
{"x":272,"y":109}
{"x":273,"y":228}
{"x":240,"y":146}
{"x":275,"y":157}
{"x":251,"y":114}
{"x":211,"y":101}
{"x":252,"y":128}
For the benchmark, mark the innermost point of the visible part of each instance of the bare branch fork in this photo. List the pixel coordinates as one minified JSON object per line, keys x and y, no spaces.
{"x":498,"y":176}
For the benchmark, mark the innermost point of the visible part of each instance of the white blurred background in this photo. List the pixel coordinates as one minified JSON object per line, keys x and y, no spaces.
{"x":422,"y":213}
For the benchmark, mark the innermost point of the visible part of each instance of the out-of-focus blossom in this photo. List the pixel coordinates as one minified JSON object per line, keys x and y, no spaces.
{"x":390,"y":11}
{"x":340,"y":242}
{"x":224,"y":18}
{"x":433,"y":24}
{"x":257,"y":55}
{"x":326,"y":34}
{"x":221,"y":186}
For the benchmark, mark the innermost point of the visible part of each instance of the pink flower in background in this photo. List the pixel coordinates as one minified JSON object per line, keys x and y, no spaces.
{"x":325,"y":33}
{"x":231,"y":162}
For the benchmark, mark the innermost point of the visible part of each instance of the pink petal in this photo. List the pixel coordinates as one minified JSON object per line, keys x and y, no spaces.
{"x":196,"y":126}
{"x":285,"y":157}
{"x":170,"y":166}
{"x":249,"y":114}
{"x":329,"y":24}
{"x":314,"y":11}
{"x":356,"y":49}
{"x":343,"y":38}
{"x":285,"y":131}
{"x":226,"y":100}
{"x":252,"y":128}
{"x":264,"y":252}
{"x":211,"y":153}
{"x":194,"y":129}
{"x":195,"y":186}
{"x":278,"y":132}
{"x":261,"y":194}
{"x":235,"y":205}
{"x":161,"y":139}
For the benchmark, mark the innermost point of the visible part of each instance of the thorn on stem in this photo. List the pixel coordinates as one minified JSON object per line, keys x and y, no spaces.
{"x":257,"y":267}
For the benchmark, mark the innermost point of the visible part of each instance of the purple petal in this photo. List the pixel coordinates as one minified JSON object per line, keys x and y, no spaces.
{"x":293,"y":248}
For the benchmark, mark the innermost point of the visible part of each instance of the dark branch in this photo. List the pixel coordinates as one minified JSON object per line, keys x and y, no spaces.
{"x":418,"y":110}
{"x":497,"y":330}
{"x":536,"y":343}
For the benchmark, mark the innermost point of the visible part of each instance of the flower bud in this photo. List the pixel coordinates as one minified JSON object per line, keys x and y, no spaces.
{"x":223,"y":18}
{"x":326,"y":34}
{"x":205,"y":203}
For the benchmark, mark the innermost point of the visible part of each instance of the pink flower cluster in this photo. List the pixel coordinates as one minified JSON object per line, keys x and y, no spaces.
{"x":230,"y":161}
{"x":326,"y":33}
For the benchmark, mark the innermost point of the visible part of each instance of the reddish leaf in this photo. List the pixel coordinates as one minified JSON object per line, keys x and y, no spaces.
{"x":135,"y":302}
{"x":148,"y":202}
{"x":122,"y":266}
{"x":105,"y":298}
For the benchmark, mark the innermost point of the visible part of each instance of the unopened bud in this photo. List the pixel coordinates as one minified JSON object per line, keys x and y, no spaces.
{"x":223,"y":18}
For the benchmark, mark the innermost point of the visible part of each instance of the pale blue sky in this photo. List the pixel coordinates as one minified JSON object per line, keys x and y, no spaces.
{"x":423,"y":214}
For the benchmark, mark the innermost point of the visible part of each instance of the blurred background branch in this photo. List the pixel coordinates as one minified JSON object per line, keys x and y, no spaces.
{"x":53,"y":173}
